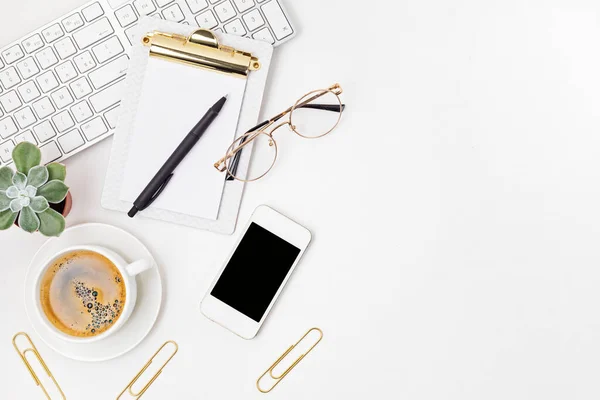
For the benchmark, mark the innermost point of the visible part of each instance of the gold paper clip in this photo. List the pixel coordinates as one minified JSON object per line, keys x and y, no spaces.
{"x":129,"y":387}
{"x":279,"y":378}
{"x":35,"y":352}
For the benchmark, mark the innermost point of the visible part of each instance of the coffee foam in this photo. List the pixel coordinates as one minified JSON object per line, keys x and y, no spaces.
{"x":82,"y":293}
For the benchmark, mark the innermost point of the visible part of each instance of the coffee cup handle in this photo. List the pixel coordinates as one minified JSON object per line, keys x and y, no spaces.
{"x":138,"y":266}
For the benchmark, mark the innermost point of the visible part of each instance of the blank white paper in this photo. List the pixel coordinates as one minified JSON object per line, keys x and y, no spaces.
{"x":174,"y":98}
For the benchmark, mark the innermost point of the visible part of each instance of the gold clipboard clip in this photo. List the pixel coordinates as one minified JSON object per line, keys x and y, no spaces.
{"x":129,"y":387}
{"x":33,"y":349}
{"x":279,"y":378}
{"x":200,"y":49}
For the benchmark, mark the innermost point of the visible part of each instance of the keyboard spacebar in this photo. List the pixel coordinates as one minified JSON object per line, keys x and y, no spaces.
{"x":107,"y":97}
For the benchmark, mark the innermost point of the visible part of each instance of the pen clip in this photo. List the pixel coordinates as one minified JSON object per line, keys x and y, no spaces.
{"x":158,"y":192}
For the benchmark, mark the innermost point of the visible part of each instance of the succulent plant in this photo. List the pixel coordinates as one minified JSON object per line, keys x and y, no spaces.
{"x":26,"y":194}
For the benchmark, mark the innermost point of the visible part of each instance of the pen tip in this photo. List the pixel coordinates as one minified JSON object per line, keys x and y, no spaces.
{"x":219,"y":104}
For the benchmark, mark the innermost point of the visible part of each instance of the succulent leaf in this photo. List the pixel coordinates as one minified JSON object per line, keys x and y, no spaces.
{"x":54,"y":191}
{"x":56,"y":171}
{"x":12,"y":192}
{"x":7,"y":219}
{"x":51,"y":223}
{"x":26,"y":155}
{"x":15,"y":205}
{"x":30,"y":191}
{"x":37,"y":176}
{"x":4,"y":201}
{"x":39,"y":204}
{"x":19,"y":180}
{"x":6,"y":175}
{"x":28,"y":220}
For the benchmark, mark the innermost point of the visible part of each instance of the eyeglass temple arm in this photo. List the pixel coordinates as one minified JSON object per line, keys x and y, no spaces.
{"x":324,"y":107}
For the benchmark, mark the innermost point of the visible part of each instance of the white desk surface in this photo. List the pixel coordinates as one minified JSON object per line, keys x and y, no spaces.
{"x":456,"y":215}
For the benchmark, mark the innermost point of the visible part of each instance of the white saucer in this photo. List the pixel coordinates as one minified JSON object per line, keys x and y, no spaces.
{"x":147,"y":305}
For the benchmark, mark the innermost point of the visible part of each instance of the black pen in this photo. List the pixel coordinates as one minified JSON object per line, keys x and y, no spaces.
{"x":165,"y":173}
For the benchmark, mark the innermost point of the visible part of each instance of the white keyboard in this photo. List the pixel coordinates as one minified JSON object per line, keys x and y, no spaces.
{"x":60,"y":86}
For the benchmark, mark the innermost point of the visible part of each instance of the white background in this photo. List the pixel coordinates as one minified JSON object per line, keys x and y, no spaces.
{"x":455,"y":213}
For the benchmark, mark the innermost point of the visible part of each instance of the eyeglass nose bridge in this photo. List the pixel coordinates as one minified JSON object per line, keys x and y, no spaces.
{"x":272,"y":131}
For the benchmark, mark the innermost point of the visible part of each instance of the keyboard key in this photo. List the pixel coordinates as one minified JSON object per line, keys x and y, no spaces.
{"x":27,"y":68}
{"x":102,"y":100}
{"x":264,"y":35}
{"x":162,"y":3}
{"x":44,"y":131}
{"x":235,"y":27}
{"x":92,"y":12}
{"x":65,"y":48}
{"x":47,"y":81}
{"x":173,"y":13}
{"x":107,"y":50}
{"x":253,"y":20}
{"x":63,"y":121}
{"x":94,"y":128}
{"x":243,"y":5}
{"x":6,"y":149}
{"x":84,"y":62}
{"x":29,"y":92}
{"x":7,"y":127}
{"x":10,"y":101}
{"x":225,"y":11}
{"x":196,"y":5}
{"x":279,"y":23}
{"x":9,"y":77}
{"x":130,"y":34}
{"x":81,"y":87}
{"x":43,"y":107}
{"x":207,"y":20}
{"x":33,"y":43}
{"x":111,"y":117}
{"x":109,"y":72}
{"x":26,"y":136}
{"x":25,"y":117}
{"x":13,"y":54}
{"x":50,"y":152}
{"x":66,"y":71}
{"x":144,"y":7}
{"x":52,"y":33}
{"x":70,"y":141}
{"x":46,"y":57}
{"x":81,"y":111}
{"x":125,"y":15}
{"x":62,"y":97}
{"x":93,"y":33}
{"x":72,"y":22}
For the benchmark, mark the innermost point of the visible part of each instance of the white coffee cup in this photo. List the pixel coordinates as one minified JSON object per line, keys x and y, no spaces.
{"x":128,"y":272}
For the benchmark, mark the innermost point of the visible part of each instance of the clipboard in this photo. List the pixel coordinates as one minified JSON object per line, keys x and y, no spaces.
{"x":200,"y":50}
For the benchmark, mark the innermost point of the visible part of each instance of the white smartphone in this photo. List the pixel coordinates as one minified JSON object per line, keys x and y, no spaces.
{"x":255,"y":272}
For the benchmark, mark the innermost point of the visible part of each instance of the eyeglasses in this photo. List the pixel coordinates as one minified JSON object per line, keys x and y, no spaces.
{"x":307,"y":118}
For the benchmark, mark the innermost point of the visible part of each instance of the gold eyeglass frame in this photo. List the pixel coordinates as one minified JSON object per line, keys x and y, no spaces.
{"x":251,"y":135}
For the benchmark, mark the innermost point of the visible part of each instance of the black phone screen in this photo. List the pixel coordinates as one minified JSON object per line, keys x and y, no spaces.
{"x":255,"y":272}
